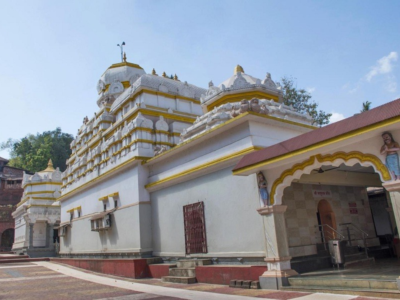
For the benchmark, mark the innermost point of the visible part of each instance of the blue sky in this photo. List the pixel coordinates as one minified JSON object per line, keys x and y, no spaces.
{"x":53,"y":52}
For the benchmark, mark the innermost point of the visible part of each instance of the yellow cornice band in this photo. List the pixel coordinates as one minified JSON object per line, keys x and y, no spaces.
{"x":100,"y":177}
{"x":204,"y":166}
{"x":319,"y":145}
{"x":240,"y":96}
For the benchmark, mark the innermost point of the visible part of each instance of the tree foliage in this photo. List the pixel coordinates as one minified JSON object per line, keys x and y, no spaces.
{"x":366,"y":106}
{"x":301,"y":101}
{"x":34,"y":151}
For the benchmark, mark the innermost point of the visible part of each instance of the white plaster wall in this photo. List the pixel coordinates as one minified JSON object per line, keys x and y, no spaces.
{"x":184,"y":106}
{"x":209,"y":148}
{"x":233,"y":226}
{"x":130,"y":232}
{"x":267,"y":135}
{"x":150,"y":99}
{"x":39,"y":234}
{"x":129,"y":185}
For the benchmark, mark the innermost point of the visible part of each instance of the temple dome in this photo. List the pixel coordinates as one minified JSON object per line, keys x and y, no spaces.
{"x":117,"y":78}
{"x":240,"y":86}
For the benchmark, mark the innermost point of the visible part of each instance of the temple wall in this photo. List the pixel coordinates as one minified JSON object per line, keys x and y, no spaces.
{"x":230,"y":208}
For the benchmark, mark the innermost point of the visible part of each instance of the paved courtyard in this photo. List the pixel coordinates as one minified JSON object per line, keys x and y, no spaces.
{"x":45,"y":280}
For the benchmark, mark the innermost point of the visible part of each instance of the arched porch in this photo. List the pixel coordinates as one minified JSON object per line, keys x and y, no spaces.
{"x":336,"y":163}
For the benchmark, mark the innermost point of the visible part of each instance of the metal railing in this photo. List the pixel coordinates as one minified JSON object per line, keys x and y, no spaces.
{"x":330,"y":234}
{"x":364,"y":235}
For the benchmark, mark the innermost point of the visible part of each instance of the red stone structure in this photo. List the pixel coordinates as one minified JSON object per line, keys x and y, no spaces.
{"x":10,"y":194}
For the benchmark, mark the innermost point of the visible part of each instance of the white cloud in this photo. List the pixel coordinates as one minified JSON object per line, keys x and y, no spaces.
{"x":336,"y":117}
{"x":311,"y":90}
{"x":384,"y":65}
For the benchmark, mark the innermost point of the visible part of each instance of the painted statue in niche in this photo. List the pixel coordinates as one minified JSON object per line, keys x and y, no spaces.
{"x":390,"y":148}
{"x":262,"y":187}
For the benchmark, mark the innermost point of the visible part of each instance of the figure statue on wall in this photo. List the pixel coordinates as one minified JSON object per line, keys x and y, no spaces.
{"x":390,"y":148}
{"x":262,"y":187}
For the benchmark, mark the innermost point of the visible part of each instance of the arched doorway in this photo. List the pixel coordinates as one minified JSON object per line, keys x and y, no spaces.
{"x":7,"y":239}
{"x":326,"y":220}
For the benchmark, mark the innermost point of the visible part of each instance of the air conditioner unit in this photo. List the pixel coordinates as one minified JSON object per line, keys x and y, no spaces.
{"x":107,"y":221}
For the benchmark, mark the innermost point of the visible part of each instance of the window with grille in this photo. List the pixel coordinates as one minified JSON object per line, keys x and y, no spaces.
{"x":195,"y":228}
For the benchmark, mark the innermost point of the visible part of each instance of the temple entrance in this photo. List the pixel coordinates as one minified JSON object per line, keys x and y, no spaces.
{"x":326,"y":220}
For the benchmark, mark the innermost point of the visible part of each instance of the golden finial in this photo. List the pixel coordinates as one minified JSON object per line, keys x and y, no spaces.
{"x":154,"y":72}
{"x":176,"y":77}
{"x":124,"y":57}
{"x":164,"y":75}
{"x":49,"y":167}
{"x":238,"y":68}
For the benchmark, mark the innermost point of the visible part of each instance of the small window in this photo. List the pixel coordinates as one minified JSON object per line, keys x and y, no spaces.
{"x":105,"y":206}
{"x":71,"y":215}
{"x":79,"y":213}
{"x":115,"y":203}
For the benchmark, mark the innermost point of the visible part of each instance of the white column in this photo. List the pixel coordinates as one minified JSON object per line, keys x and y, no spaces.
{"x":277,"y":249}
{"x":393,"y":187}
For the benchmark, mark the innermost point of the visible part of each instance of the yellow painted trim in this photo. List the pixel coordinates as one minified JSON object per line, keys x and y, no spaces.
{"x":44,"y":198}
{"x":240,"y":96}
{"x":22,"y":202}
{"x":105,"y":198}
{"x":78,"y":208}
{"x":162,"y":131}
{"x":156,"y":93}
{"x":204,"y":166}
{"x":70,"y":210}
{"x":319,"y":145}
{"x":42,"y":205}
{"x":123,"y":64}
{"x":114,"y":195}
{"x":142,"y":158}
{"x":39,"y":192}
{"x":382,"y":169}
{"x":40,"y":183}
{"x":227,"y":123}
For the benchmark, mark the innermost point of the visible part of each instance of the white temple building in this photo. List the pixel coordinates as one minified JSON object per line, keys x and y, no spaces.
{"x":151,"y":175}
{"x":38,"y":213}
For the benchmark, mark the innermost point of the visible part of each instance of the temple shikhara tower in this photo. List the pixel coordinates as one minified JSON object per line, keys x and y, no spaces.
{"x":227,"y":175}
{"x":38,"y":213}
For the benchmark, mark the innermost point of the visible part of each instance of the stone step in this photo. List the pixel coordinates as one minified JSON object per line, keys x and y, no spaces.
{"x":192,"y":263}
{"x":306,"y":282}
{"x":381,"y":293}
{"x":179,"y":279}
{"x":183,"y":272}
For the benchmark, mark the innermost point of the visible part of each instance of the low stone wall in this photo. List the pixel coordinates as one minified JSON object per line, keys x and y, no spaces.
{"x":218,"y":274}
{"x":132,"y":268}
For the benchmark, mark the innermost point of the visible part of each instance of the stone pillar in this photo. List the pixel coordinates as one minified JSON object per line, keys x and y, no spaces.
{"x":277,"y":249}
{"x":51,"y":235}
{"x":393,"y":187}
{"x":30,"y":235}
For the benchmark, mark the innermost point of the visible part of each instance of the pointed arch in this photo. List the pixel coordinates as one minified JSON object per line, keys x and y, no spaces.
{"x":336,"y":159}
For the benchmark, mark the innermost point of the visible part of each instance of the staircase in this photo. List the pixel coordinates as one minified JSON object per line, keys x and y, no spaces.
{"x":185,"y":272}
{"x":352,"y":286}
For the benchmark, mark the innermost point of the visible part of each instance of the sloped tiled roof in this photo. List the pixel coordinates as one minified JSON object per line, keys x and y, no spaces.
{"x":362,"y":120}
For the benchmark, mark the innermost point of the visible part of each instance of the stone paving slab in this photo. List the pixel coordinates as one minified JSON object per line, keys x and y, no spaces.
{"x":205,"y":290}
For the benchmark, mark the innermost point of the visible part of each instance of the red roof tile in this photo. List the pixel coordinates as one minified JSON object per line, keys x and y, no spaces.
{"x":373,"y":116}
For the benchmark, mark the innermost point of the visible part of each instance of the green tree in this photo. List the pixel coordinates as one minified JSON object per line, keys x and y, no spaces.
{"x":366,"y":106}
{"x":301,"y":101}
{"x":34,"y":151}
